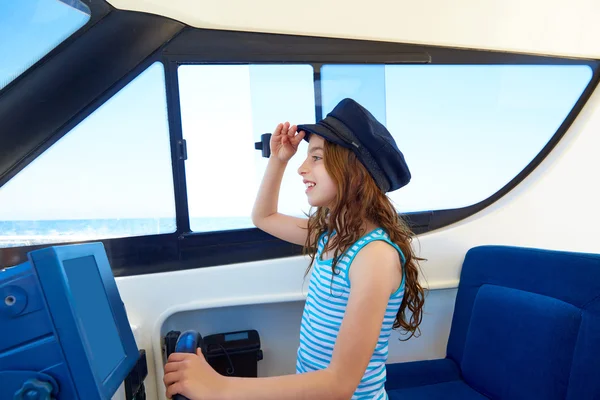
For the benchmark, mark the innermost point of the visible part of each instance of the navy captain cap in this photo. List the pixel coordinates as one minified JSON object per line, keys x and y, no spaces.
{"x":352,"y":126}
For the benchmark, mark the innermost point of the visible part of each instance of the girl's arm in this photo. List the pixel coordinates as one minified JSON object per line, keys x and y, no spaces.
{"x":284,"y":144}
{"x":374,"y":275}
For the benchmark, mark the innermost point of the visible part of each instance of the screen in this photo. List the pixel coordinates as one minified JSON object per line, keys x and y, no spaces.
{"x":96,"y":319}
{"x":236,"y":336}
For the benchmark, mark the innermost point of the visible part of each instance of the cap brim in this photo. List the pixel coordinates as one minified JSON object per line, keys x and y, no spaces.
{"x":323,"y":131}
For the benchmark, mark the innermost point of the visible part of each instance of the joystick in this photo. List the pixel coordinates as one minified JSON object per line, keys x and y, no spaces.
{"x":188,"y":342}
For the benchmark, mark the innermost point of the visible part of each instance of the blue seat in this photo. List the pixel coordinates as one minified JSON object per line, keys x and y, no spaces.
{"x":526,"y":325}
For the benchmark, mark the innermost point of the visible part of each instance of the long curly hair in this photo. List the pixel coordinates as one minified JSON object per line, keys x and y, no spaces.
{"x":358,"y":199}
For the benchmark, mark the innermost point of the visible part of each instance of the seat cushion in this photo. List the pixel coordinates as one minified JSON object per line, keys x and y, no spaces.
{"x":420,"y":373}
{"x":455,"y":390}
{"x":520,"y":345}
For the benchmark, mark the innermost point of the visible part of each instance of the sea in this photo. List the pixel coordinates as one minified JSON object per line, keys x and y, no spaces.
{"x":26,"y":233}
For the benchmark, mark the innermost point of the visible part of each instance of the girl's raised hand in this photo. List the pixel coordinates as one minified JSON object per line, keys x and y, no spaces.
{"x":285,"y":141}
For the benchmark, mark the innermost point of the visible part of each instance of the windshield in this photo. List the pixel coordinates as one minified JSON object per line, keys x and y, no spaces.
{"x":30,"y":29}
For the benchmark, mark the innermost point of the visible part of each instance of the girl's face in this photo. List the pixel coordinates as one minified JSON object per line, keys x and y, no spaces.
{"x":320,"y":188}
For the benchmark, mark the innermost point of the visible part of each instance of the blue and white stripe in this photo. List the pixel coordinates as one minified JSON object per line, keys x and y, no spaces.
{"x":324,"y":311}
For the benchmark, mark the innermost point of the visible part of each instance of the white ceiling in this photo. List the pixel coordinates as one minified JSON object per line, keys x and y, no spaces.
{"x":554,"y":27}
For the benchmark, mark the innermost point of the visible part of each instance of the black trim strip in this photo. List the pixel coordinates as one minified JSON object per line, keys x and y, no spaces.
{"x":217,"y":46}
{"x":220,"y":46}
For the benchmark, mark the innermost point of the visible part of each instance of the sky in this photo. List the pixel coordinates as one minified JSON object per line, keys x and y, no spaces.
{"x":465,"y":131}
{"x":29,"y":29}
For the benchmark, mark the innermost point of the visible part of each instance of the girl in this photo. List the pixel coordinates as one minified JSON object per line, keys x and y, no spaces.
{"x":365,"y":275}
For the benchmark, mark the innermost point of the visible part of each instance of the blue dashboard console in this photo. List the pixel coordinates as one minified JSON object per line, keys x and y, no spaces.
{"x":64,"y":332}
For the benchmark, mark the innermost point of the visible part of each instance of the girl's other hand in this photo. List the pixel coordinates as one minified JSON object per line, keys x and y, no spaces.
{"x":285,"y":141}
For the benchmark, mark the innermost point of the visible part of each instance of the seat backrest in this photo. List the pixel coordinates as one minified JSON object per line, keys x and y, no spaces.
{"x":526,"y":323}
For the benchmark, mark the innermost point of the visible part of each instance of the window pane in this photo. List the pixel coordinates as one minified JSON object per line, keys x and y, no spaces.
{"x":109,"y":177}
{"x":29,"y":29}
{"x":225,"y":109}
{"x":465,"y":130}
{"x":363,"y":83}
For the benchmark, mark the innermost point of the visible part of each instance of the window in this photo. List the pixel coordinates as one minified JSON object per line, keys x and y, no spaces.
{"x":465,"y":130}
{"x":29,"y":29}
{"x":110,"y":176}
{"x":224,"y":110}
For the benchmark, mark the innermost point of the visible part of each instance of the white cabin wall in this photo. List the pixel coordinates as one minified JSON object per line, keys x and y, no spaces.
{"x":278,"y":325}
{"x":266,"y":296}
{"x":549,"y":27}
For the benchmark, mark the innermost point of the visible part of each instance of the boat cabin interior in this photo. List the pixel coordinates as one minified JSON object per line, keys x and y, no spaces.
{"x":134,"y":137}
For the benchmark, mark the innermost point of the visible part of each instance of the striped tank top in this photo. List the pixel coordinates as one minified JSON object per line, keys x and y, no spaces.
{"x":324,"y":310}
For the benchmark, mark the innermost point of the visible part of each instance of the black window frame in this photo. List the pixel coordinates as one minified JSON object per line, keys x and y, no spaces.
{"x":122,"y":53}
